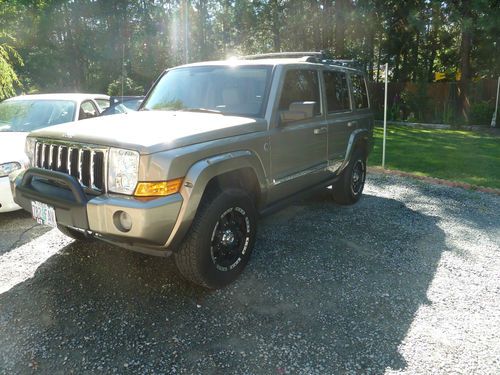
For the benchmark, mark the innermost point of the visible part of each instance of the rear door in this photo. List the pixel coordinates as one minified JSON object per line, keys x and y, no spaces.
{"x":361,"y":102}
{"x":340,"y":116}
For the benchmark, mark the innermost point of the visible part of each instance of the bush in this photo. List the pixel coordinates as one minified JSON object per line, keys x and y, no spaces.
{"x":417,"y":102}
{"x":481,"y":112}
{"x":129,"y":87}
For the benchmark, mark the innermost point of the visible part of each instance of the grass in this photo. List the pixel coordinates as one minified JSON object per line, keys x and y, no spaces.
{"x":454,"y":155}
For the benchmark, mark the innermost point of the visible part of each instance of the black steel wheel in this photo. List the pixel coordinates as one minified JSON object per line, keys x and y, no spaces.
{"x":358,"y":176}
{"x":220,"y":241}
{"x":230,"y":239}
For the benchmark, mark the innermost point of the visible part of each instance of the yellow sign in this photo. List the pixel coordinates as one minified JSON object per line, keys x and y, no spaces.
{"x":439,"y":76}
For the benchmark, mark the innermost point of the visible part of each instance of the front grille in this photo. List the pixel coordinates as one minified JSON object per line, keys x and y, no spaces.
{"x":84,"y":162}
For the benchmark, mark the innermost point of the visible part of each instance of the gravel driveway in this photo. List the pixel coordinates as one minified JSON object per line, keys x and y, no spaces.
{"x":407,"y":280}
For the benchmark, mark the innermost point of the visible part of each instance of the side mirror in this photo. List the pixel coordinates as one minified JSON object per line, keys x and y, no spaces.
{"x":298,"y":111}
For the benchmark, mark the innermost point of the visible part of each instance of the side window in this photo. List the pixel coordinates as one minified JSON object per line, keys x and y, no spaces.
{"x":103,"y":103}
{"x":87,"y":110}
{"x":300,"y":86}
{"x":337,"y":91}
{"x":359,"y":91}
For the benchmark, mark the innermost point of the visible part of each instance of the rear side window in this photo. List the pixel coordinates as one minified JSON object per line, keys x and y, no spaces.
{"x":359,"y":91}
{"x":337,"y":91}
{"x":301,"y":85}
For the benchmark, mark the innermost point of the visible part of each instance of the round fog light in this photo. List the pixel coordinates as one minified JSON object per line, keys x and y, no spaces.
{"x":123,"y":221}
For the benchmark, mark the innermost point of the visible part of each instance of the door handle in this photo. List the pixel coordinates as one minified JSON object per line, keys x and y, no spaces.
{"x":321,"y":130}
{"x":350,"y":124}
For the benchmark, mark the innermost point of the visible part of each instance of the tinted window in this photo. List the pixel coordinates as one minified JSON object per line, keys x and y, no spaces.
{"x":337,"y":91}
{"x":359,"y":91}
{"x":300,"y":86}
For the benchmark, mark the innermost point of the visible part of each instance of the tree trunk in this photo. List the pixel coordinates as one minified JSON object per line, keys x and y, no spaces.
{"x":465,"y":66}
{"x":340,"y":14}
{"x":465,"y":49}
{"x":276,"y":26}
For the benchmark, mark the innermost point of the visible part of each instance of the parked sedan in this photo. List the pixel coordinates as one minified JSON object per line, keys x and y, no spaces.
{"x":23,"y":114}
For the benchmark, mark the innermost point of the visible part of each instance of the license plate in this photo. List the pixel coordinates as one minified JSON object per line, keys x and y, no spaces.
{"x":43,"y":213}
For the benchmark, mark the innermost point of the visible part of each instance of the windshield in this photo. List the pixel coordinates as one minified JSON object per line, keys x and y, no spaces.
{"x":28,"y":115}
{"x":225,"y":89}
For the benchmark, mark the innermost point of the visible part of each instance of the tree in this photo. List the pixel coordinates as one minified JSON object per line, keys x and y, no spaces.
{"x":8,"y":76}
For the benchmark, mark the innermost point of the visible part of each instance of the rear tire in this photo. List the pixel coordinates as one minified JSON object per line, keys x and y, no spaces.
{"x":74,"y":234}
{"x":348,"y":189}
{"x":220,"y":240}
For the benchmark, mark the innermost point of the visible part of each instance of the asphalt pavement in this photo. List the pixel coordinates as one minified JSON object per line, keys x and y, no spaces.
{"x":405,"y":281}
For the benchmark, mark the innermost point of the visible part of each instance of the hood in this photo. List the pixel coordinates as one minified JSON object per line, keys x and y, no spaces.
{"x":12,"y":147}
{"x":153,"y":131}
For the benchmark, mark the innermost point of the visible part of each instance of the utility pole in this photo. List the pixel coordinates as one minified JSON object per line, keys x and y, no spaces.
{"x":494,"y":118}
{"x":186,"y":31}
{"x":385,"y":116}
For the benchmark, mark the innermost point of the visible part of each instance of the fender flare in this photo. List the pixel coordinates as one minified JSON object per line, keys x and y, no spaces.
{"x":356,"y":136}
{"x":197,"y":179}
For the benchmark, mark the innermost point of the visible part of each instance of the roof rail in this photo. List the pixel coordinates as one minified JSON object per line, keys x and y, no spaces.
{"x":283,"y":55}
{"x":321,"y":57}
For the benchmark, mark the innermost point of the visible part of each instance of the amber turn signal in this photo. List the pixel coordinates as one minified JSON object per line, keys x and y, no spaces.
{"x":158,"y":189}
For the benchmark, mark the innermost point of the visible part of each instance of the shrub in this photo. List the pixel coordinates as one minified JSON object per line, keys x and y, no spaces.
{"x":481,"y":112}
{"x":130,"y":87}
{"x":417,"y":101}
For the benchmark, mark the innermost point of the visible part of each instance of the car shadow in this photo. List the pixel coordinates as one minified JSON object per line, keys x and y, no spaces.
{"x":18,"y":228}
{"x":331,"y":289}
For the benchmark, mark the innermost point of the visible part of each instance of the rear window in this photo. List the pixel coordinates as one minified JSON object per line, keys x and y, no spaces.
{"x":337,"y":91}
{"x":359,"y":91}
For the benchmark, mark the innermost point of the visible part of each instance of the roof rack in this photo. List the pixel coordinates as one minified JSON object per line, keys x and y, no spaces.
{"x":322,"y":57}
{"x":283,"y":55}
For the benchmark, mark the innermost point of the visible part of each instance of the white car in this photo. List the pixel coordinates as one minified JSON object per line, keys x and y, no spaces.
{"x":23,"y":114}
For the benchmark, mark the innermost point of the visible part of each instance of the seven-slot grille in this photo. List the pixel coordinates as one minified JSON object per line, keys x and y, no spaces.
{"x":86,"y":164}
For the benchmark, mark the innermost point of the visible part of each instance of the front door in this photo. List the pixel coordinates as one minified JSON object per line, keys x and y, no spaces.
{"x":298,"y":149}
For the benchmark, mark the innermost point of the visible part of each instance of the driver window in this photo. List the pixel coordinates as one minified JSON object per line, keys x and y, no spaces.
{"x":301,"y":85}
{"x":87,"y":110}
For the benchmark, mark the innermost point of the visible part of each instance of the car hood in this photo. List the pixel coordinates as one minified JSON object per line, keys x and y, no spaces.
{"x":12,"y":147}
{"x":153,"y":131}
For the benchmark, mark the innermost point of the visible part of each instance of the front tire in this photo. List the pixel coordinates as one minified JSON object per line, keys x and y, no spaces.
{"x":220,"y":241}
{"x":348,"y":189}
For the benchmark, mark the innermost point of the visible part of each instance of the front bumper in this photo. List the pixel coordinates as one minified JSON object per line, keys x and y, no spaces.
{"x":152,"y":220}
{"x":7,"y":203}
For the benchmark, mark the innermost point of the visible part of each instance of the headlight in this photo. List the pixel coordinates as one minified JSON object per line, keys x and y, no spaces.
{"x":123,"y":169}
{"x":29,"y":148}
{"x":8,"y":168}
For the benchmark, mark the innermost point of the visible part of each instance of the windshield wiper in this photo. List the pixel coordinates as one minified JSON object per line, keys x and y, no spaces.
{"x":202,"y":110}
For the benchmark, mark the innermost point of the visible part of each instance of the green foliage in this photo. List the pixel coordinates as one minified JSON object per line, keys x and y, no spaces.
{"x":82,"y":45}
{"x":8,"y":76}
{"x":127,"y":86}
{"x":417,"y":102}
{"x":455,"y":155}
{"x":481,"y":113}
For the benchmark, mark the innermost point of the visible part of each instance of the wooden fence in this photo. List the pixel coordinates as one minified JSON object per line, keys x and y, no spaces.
{"x":434,"y":102}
